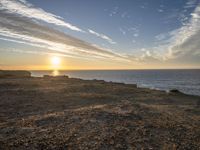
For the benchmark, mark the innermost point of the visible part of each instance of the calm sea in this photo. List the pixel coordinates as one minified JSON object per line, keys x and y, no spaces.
{"x":187,"y":81}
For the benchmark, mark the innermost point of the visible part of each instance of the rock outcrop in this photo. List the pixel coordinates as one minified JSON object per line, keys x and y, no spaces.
{"x":14,"y":74}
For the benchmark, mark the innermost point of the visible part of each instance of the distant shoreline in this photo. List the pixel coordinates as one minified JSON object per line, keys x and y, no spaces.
{"x":186,"y":81}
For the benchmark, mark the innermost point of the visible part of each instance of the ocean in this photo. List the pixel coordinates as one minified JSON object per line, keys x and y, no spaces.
{"x":186,"y":81}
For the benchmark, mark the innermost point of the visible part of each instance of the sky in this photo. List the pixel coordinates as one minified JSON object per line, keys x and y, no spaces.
{"x":106,"y":34}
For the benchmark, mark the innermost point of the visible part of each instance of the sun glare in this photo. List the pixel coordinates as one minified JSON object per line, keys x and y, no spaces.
{"x":55,"y":61}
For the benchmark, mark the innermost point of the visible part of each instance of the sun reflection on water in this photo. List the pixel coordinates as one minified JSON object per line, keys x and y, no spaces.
{"x":55,"y":73}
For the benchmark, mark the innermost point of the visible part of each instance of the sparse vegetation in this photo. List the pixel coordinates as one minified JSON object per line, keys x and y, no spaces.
{"x":67,"y":113}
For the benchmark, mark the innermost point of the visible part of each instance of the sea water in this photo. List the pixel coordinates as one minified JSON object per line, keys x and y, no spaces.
{"x":187,"y":81}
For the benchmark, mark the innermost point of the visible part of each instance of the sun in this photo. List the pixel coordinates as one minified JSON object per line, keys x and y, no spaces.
{"x":55,"y":61}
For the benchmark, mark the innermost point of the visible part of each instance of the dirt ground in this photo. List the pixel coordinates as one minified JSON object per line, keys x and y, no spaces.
{"x":67,"y":113}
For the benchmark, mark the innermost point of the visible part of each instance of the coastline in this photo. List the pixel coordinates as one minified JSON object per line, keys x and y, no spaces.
{"x":186,"y":81}
{"x":61,"y":112}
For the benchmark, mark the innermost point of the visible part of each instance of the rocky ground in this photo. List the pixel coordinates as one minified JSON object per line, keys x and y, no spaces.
{"x":67,"y":113}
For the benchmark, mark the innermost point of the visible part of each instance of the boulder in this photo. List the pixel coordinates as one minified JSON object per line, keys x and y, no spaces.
{"x":174,"y":91}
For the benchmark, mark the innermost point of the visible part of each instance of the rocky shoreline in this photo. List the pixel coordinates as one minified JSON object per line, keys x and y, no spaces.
{"x":69,"y":113}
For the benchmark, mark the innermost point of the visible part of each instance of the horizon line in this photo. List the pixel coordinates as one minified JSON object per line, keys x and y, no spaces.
{"x":99,"y":69}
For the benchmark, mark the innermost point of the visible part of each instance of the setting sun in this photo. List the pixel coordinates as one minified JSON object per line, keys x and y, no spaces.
{"x":55,"y":61}
{"x":90,"y":74}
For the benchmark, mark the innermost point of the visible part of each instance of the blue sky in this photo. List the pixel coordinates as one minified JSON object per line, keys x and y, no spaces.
{"x":135,"y":33}
{"x":131,"y":24}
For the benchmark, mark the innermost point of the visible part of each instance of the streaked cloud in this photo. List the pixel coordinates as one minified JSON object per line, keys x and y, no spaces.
{"x":26,"y":9}
{"x":23,"y":23}
{"x":102,"y":36}
{"x":37,"y":52}
{"x":26,"y":31}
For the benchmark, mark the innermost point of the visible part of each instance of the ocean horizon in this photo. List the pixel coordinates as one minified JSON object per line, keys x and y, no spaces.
{"x":184,"y":80}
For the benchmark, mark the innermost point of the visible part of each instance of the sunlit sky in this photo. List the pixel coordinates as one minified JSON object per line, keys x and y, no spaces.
{"x":99,"y":34}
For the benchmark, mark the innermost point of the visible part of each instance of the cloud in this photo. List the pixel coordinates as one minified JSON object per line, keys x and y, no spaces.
{"x":186,"y":39}
{"x":26,"y":9}
{"x":162,"y":37}
{"x":108,"y":39}
{"x":124,"y":14}
{"x":160,"y":10}
{"x":21,"y":22}
{"x":114,"y":11}
{"x":144,"y":5}
{"x":134,"y":31}
{"x":182,"y":45}
{"x":122,"y":31}
{"x":23,"y":30}
{"x":150,"y":56}
{"x":191,"y":4}
{"x":37,"y":52}
{"x":135,"y":34}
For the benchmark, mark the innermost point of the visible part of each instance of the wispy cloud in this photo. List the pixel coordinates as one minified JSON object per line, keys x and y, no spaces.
{"x":26,"y":31}
{"x":135,"y":34}
{"x":144,"y":5}
{"x":122,"y":31}
{"x":114,"y":11}
{"x":160,"y":10}
{"x":191,"y":3}
{"x":183,"y":43}
{"x":186,"y":39}
{"x":124,"y":14}
{"x":177,"y":46}
{"x":26,"y":9}
{"x":105,"y":37}
{"x":38,"y":52}
{"x":162,"y":37}
{"x":23,"y":23}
